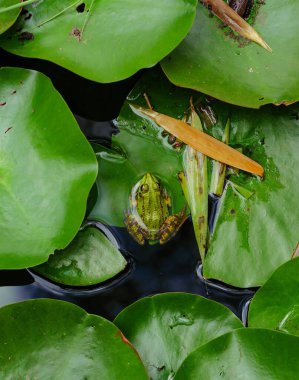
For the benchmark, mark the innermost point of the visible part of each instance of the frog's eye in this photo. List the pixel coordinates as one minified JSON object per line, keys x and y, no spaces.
{"x":157,"y":186}
{"x":144,"y":188}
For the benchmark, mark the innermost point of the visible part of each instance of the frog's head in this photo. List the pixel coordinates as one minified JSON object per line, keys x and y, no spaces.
{"x":147,"y":184}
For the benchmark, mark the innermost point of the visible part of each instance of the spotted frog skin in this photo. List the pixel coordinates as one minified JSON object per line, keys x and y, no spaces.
{"x":148,"y":216}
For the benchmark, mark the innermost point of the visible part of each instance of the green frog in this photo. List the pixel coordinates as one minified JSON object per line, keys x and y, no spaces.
{"x":148,"y":217}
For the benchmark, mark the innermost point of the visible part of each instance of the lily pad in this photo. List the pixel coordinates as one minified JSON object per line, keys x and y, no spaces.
{"x":167,"y":327}
{"x":276,"y":304}
{"x":212,"y":59}
{"x":49,"y":339}
{"x":244,"y":354}
{"x":90,"y":259}
{"x":252,"y":237}
{"x":7,"y":19}
{"x":47,"y":170}
{"x":97,"y":39}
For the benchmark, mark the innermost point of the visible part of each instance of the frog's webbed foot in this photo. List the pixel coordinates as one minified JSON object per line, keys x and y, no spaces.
{"x":134,"y":228}
{"x":171,"y":226}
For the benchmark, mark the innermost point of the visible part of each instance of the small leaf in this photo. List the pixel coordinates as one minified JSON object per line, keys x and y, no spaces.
{"x":90,"y":259}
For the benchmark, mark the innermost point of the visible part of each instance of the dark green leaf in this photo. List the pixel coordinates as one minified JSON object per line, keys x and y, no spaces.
{"x":102,"y":40}
{"x":47,"y":169}
{"x":47,"y":339}
{"x":140,"y":148}
{"x":91,"y":258}
{"x":276,"y":304}
{"x":212,"y":59}
{"x":167,"y":327}
{"x":244,"y":354}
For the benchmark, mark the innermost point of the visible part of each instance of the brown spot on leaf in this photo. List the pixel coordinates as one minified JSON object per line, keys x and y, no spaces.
{"x":2,"y":104}
{"x":8,"y":129}
{"x":76,"y":33}
{"x":26,"y":36}
{"x":201,"y":220}
{"x":232,"y":211}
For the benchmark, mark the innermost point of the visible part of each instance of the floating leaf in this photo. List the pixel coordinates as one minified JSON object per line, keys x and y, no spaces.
{"x":47,"y":339}
{"x":212,"y":59}
{"x":90,"y":259}
{"x":8,"y":18}
{"x":47,"y":170}
{"x":244,"y":354}
{"x":276,"y":304}
{"x":97,"y":39}
{"x":254,"y":236}
{"x":167,"y":327}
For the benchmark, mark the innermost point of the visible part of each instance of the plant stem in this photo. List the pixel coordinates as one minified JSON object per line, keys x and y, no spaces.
{"x":219,"y":169}
{"x":196,"y":183}
{"x":16,"y":6}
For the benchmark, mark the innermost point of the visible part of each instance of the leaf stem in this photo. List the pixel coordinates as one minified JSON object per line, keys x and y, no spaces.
{"x":16,"y":6}
{"x":196,"y":182}
{"x":219,"y":169}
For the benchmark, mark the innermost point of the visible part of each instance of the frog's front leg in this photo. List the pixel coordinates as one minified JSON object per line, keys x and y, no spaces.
{"x":135,"y":230}
{"x":171,"y":226}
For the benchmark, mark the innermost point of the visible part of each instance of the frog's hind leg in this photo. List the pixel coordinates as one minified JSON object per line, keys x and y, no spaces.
{"x":171,"y":226}
{"x":134,"y":228}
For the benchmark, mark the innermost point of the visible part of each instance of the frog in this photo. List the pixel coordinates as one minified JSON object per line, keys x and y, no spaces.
{"x":149,"y":215}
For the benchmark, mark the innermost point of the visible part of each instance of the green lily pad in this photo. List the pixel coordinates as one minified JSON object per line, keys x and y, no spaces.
{"x":167,"y":327}
{"x":90,"y":259}
{"x":252,"y":237}
{"x":276,"y":304}
{"x":47,"y":170}
{"x":244,"y":354}
{"x":101,"y":40}
{"x":7,"y":19}
{"x":49,"y":339}
{"x":213,"y":60}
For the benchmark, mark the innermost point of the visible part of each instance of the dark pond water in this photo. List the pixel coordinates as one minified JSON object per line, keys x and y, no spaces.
{"x":173,"y":267}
